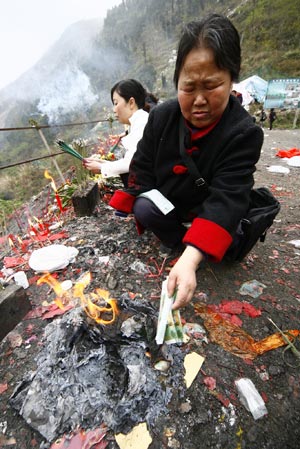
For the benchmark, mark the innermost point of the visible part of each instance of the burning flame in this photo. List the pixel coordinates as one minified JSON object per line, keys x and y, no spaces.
{"x":93,"y":310}
{"x":48,"y":176}
{"x":63,"y":297}
{"x":59,"y":204}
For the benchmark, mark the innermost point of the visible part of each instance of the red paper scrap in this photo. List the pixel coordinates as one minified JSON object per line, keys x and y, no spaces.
{"x":81,"y":440}
{"x":250,"y":310}
{"x":54,"y":310}
{"x":234,"y":319}
{"x":33,"y":280}
{"x":3,"y":388}
{"x":210,"y":382}
{"x":46,"y":312}
{"x":11,"y":262}
{"x":288,"y":153}
{"x":57,"y":236}
{"x":229,"y":310}
{"x":234,"y":307}
{"x":225,"y":401}
{"x":36,"y":313}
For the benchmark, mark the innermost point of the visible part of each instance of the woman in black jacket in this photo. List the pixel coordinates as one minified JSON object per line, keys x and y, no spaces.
{"x":217,"y":134}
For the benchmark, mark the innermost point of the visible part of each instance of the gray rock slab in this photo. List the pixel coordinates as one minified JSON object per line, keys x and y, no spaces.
{"x":14,"y":305}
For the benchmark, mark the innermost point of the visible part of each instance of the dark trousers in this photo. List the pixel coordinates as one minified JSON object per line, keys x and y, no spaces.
{"x":168,"y":228}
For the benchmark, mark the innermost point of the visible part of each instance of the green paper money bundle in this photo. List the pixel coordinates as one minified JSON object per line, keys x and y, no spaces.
{"x":169,"y":327}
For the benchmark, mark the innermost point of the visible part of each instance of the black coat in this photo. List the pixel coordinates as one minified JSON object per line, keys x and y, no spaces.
{"x":226,"y":159}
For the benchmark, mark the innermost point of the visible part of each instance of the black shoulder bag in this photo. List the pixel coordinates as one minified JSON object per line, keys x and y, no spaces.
{"x":262,"y":211}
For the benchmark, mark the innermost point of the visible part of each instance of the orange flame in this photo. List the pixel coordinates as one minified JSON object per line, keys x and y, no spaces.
{"x":48,"y":176}
{"x":91,"y":309}
{"x":32,"y":227}
{"x":63,"y":297}
{"x":88,"y":303}
{"x":12,"y":244}
{"x":58,"y":200}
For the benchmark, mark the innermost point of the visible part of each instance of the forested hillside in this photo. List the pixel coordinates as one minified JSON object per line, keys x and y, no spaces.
{"x":147,"y":32}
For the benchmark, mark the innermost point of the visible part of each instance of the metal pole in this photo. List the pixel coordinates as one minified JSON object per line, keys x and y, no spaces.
{"x":54,"y":161}
{"x":35,"y":125}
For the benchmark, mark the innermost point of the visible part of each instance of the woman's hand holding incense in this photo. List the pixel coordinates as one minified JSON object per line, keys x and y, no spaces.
{"x":93,"y":164}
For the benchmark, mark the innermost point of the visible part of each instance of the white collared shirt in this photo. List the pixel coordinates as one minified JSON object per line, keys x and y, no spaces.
{"x":138,"y":122}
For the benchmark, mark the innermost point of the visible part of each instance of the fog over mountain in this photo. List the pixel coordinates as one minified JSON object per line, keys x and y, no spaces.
{"x":72,"y":76}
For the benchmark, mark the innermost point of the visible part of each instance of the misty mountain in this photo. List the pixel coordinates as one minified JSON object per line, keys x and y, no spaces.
{"x":72,"y":76}
{"x":138,"y":39}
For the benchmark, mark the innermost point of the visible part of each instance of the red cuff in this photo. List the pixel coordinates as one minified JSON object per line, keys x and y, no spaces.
{"x":122,"y":201}
{"x":208,"y":237}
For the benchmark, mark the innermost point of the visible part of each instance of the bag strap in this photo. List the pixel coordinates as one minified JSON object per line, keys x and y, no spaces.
{"x":199,"y":181}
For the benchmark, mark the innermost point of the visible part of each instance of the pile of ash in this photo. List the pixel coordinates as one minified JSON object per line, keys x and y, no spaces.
{"x":88,"y":374}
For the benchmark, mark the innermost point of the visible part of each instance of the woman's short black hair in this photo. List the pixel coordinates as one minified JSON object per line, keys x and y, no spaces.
{"x":215,"y":32}
{"x":130,"y":88}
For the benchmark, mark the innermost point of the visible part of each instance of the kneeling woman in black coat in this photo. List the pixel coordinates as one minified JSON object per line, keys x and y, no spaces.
{"x":217,"y":134}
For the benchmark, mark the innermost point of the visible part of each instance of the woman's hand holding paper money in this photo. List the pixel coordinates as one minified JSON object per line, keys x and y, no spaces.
{"x":183,"y":276}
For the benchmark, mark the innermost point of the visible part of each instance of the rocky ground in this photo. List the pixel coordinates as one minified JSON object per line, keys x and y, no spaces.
{"x":209,"y":414}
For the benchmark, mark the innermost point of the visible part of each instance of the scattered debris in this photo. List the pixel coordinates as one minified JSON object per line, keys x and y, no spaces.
{"x":278,"y":169}
{"x":192,"y":365}
{"x":107,"y":248}
{"x":250,"y":398}
{"x":252,"y":288}
{"x":236,"y":340}
{"x":21,"y":279}
{"x":195,"y":331}
{"x":296,"y":243}
{"x":138,"y":438}
{"x":294,"y":161}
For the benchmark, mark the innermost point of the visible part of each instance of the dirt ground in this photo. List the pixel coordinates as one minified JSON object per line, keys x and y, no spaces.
{"x":209,"y":414}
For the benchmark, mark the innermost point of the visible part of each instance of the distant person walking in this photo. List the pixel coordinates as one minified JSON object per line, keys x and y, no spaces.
{"x":272,"y":117}
{"x":262,"y":118}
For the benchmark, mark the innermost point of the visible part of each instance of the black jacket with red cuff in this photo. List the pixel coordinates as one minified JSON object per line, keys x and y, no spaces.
{"x":225,"y":157}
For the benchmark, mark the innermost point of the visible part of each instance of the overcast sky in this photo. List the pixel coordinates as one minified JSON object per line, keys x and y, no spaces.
{"x":29,"y":27}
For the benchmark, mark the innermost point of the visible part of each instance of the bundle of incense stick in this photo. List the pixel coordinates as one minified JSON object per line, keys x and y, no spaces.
{"x":69,"y":150}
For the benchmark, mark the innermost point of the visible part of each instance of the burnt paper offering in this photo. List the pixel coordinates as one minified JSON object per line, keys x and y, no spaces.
{"x":88,"y":374}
